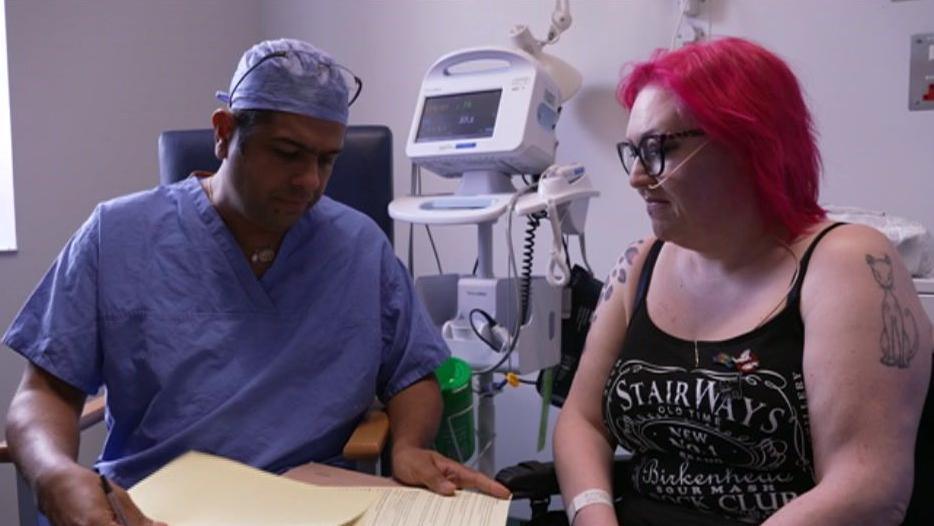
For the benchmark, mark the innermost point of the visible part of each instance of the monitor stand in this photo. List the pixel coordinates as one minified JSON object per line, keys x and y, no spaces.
{"x":483,"y":182}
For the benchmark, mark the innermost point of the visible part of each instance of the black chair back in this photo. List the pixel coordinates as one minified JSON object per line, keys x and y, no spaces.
{"x":362,"y":176}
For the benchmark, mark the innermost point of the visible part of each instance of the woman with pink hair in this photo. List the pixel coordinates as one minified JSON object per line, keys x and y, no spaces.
{"x":761,"y":364}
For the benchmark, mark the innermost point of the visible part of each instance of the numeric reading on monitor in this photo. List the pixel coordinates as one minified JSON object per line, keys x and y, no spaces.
{"x":459,"y":116}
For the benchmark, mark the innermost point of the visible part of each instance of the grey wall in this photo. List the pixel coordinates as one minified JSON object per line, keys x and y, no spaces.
{"x":92,"y":85}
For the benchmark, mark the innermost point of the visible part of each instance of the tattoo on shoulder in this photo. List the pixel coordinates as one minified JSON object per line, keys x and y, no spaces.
{"x":619,"y":274}
{"x":899,"y":340}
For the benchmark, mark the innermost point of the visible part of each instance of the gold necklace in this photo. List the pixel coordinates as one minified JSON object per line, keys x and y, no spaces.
{"x":260,"y":256}
{"x":791,"y":284}
{"x":781,"y":301}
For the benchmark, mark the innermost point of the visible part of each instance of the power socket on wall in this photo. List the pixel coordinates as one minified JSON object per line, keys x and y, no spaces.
{"x":921,"y":78}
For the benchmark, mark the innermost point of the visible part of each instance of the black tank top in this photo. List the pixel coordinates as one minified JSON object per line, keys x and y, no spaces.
{"x":727,"y":435}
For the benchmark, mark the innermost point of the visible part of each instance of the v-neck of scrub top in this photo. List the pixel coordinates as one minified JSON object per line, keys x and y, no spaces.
{"x":256,"y":288}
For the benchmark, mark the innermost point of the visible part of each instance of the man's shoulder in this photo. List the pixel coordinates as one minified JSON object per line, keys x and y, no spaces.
{"x":346,"y":219}
{"x":142,"y":203}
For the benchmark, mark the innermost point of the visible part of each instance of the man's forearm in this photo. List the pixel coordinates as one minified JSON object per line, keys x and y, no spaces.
{"x":414,"y":414}
{"x":42,"y":425}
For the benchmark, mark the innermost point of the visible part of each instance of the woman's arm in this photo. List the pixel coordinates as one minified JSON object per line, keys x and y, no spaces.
{"x":583,"y":449}
{"x":867,"y":362}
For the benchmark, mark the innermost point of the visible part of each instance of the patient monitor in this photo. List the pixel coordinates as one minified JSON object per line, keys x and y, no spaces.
{"x":485,"y":115}
{"x":485,"y":110}
{"x":482,"y":114}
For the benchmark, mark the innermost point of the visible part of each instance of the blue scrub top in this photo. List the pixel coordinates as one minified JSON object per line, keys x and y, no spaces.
{"x":154,"y":299}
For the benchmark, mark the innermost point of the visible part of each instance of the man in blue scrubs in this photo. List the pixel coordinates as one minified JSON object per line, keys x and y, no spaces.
{"x":240,"y":313}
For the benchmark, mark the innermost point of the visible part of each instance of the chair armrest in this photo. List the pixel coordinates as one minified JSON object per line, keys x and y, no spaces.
{"x":92,"y":413}
{"x":369,"y":438}
{"x":535,"y":480}
{"x":530,"y":480}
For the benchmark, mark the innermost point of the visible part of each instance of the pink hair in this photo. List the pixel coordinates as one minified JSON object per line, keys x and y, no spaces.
{"x":748,"y":100}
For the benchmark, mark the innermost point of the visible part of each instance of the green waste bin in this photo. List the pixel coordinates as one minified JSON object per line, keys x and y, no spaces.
{"x":456,"y":436}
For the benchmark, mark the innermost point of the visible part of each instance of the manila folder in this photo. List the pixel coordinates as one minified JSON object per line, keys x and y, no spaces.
{"x":198,"y":489}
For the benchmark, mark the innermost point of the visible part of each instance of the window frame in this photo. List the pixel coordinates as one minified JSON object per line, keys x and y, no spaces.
{"x":7,"y":205}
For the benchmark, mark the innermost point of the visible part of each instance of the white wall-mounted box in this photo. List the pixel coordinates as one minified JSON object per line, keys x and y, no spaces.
{"x":925,"y":288}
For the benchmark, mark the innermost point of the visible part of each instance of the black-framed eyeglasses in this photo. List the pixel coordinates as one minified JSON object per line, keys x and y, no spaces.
{"x":354,"y":83}
{"x":650,"y":151}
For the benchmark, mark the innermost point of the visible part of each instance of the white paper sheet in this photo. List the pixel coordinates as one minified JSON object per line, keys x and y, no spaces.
{"x":418,"y":507}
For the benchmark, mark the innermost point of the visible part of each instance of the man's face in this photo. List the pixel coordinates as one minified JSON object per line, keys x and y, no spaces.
{"x":280,"y":167}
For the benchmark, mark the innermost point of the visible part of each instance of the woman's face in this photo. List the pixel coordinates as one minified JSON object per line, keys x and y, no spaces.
{"x":700,"y":185}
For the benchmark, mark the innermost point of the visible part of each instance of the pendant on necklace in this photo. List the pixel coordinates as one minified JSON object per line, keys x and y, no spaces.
{"x":732,"y":385}
{"x":262,"y":256}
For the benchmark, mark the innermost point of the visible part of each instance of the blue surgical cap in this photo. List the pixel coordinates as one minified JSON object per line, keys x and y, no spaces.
{"x":292,"y":76}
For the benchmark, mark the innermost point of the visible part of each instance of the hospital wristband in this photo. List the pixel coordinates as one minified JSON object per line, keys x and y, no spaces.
{"x":586,"y":498}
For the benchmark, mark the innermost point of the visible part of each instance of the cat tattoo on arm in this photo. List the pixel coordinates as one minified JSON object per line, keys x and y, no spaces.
{"x":899,"y":340}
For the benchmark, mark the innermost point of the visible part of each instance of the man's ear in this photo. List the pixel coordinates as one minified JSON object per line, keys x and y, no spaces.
{"x":223,"y":121}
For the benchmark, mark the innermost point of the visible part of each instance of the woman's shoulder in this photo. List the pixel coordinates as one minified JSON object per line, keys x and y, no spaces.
{"x":848,"y":246}
{"x":631,"y":259}
{"x":845,"y":236}
{"x":621,"y":283}
{"x":854,"y":262}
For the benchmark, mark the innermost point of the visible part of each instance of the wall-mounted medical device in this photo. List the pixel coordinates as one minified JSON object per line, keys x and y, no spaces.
{"x":476,"y":316}
{"x":925,"y":288}
{"x":485,"y":110}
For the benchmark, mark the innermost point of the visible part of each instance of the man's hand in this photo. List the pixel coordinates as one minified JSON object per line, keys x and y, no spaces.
{"x":414,"y":415}
{"x":72,"y":496}
{"x":423,"y":467}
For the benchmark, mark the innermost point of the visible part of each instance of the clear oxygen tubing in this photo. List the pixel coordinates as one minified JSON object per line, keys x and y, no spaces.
{"x":661,"y":180}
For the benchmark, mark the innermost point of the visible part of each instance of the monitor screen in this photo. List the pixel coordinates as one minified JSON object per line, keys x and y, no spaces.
{"x":460,"y":116}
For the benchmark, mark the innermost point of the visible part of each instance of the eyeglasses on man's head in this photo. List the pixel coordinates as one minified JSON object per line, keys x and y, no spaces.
{"x":353,"y":83}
